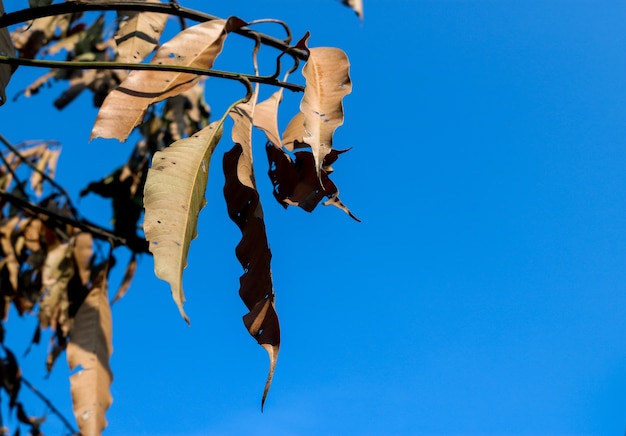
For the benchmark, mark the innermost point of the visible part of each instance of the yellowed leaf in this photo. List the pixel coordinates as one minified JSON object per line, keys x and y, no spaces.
{"x":138,"y":34}
{"x":125,"y":107}
{"x":173,"y":197}
{"x":327,"y":82}
{"x":89,"y":351}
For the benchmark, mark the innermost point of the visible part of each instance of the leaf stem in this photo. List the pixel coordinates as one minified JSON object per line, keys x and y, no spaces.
{"x":267,"y":80}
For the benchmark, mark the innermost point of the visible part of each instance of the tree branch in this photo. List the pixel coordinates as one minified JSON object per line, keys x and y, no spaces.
{"x":266,"y":80}
{"x":50,"y":406}
{"x":171,"y":8}
{"x":137,"y":245}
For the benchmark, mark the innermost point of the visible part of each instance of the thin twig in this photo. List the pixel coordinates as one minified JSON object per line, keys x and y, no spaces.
{"x":267,"y":80}
{"x":45,"y":176}
{"x":121,"y":5}
{"x":83,"y":224}
{"x":49,"y":404}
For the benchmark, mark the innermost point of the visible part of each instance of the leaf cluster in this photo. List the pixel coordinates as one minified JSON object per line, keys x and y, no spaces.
{"x":50,"y":260}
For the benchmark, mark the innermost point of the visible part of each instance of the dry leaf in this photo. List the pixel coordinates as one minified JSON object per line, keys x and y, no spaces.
{"x":256,"y":289}
{"x":266,"y":117}
{"x":327,"y":82}
{"x":125,"y":107}
{"x":131,"y":268}
{"x":83,"y":253}
{"x":356,"y":5}
{"x":138,"y":34}
{"x":89,"y":351}
{"x":173,"y":197}
{"x":57,"y":271}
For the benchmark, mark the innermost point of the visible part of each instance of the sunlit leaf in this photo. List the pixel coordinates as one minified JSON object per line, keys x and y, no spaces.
{"x":356,"y":5}
{"x":173,"y":197}
{"x":89,"y":352}
{"x":327,"y":82}
{"x":138,"y":34}
{"x":125,"y":107}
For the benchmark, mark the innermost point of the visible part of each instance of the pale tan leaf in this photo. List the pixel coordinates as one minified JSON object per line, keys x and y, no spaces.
{"x":125,"y":107}
{"x":173,"y":197}
{"x":6,"y":49}
{"x":138,"y":34}
{"x":56,"y":274}
{"x":9,"y":259}
{"x":294,"y":132}
{"x":327,"y":82}
{"x":89,"y":351}
{"x":242,"y":115}
{"x":356,"y":5}
{"x":266,"y":117}
{"x":83,"y":252}
{"x":36,"y":177}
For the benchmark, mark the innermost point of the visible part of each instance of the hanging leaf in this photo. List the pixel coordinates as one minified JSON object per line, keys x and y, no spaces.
{"x":256,"y":289}
{"x":131,"y":268}
{"x":83,"y":253}
{"x":173,"y":197}
{"x":266,"y":117}
{"x":89,"y":351}
{"x":6,"y":49}
{"x":57,"y":271}
{"x":356,"y":5}
{"x":327,"y":82}
{"x":125,"y":107}
{"x":138,"y":34}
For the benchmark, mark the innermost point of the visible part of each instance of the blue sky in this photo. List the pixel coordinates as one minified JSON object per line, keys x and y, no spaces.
{"x":484,"y":292}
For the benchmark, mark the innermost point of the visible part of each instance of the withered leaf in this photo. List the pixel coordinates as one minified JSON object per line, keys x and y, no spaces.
{"x":138,"y":34}
{"x":125,"y":107}
{"x":256,"y":289}
{"x":173,"y":197}
{"x":89,"y":351}
{"x":327,"y":82}
{"x":356,"y":5}
{"x":83,"y":253}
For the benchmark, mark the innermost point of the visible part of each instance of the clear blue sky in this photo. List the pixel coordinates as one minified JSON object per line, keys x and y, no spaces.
{"x":484,"y":293}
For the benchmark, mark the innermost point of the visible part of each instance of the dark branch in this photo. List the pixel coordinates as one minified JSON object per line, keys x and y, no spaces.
{"x":119,"y":5}
{"x":50,"y":406}
{"x":266,"y":80}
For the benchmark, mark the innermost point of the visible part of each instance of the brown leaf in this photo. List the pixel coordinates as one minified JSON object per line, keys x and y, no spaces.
{"x":89,"y":351}
{"x":256,"y":289}
{"x":327,"y":82}
{"x":125,"y":107}
{"x":83,"y":252}
{"x":9,"y":261}
{"x":138,"y":34}
{"x":128,"y":278}
{"x":297,"y":184}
